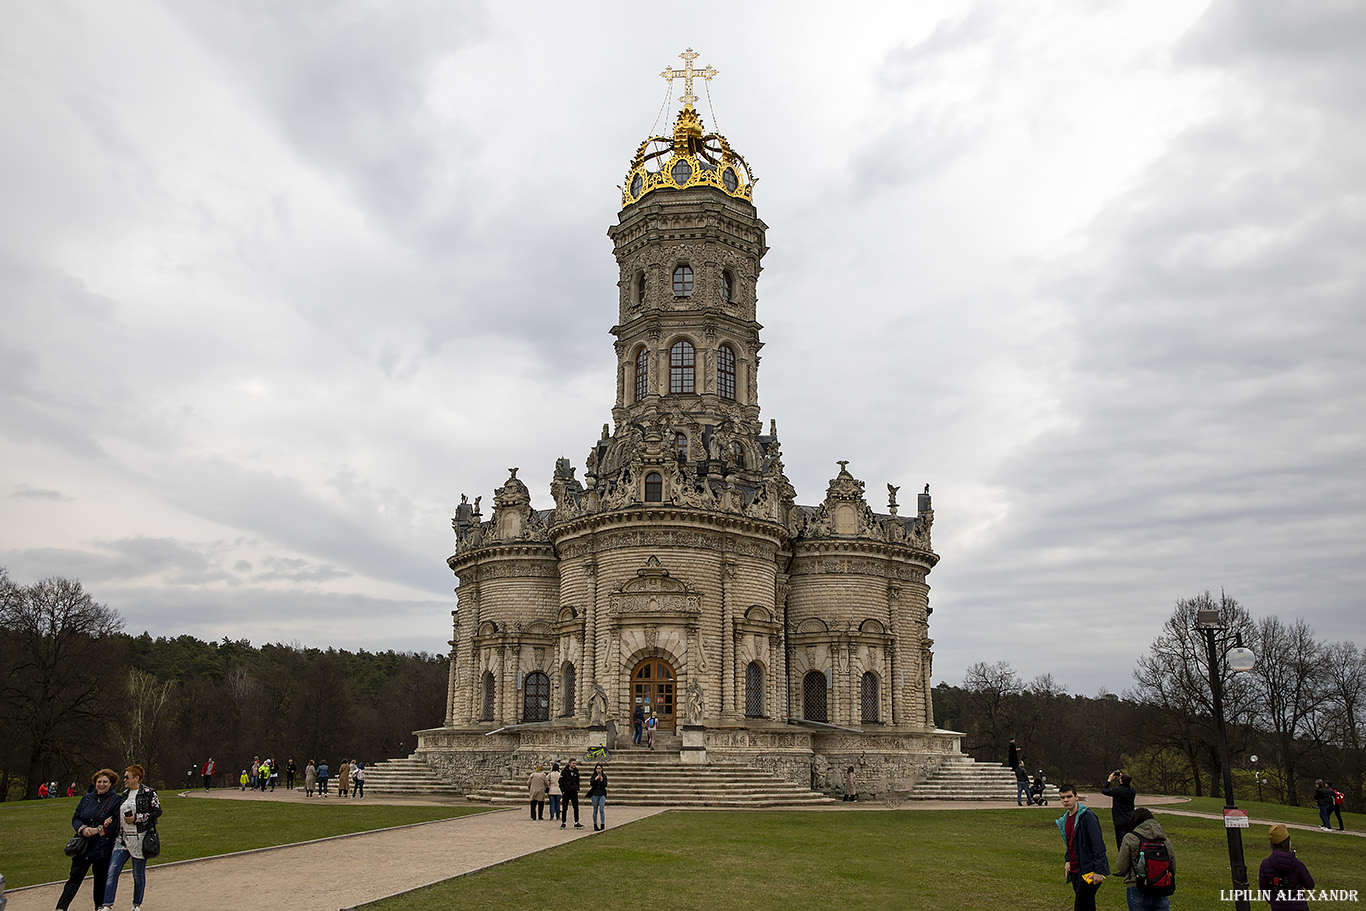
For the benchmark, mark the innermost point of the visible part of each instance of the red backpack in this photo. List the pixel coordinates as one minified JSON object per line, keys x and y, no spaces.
{"x":1338,"y":798}
{"x":1153,"y":872}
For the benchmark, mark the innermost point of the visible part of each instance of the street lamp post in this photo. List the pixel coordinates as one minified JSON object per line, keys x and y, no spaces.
{"x":1240,"y":659}
{"x":1256,"y":773}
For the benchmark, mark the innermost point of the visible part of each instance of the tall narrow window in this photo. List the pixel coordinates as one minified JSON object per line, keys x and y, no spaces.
{"x":654,"y":488}
{"x":813,"y":697}
{"x":682,"y":362}
{"x":754,"y":690}
{"x":487,"y":714}
{"x":569,"y":689}
{"x":737,"y":453}
{"x":681,"y":446}
{"x":727,"y":286}
{"x":683,"y":281}
{"x":536,"y":697}
{"x":642,"y":374}
{"x":868,"y":692}
{"x":640,"y":288}
{"x":725,"y":372}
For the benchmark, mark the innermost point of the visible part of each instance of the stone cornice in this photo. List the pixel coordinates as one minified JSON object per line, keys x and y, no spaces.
{"x":655,"y":517}
{"x":526,"y":552}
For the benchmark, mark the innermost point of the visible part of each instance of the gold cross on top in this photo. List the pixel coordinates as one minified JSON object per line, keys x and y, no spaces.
{"x":688,"y":74}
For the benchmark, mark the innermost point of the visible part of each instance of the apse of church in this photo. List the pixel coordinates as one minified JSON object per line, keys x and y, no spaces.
{"x":679,"y":573}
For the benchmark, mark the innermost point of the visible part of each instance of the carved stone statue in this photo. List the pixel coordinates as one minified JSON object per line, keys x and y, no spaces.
{"x":597,"y":705}
{"x":697,"y":703}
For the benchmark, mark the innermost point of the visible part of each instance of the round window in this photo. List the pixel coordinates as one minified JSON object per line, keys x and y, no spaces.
{"x":636,"y":185}
{"x":682,"y":172}
{"x":729,"y":179}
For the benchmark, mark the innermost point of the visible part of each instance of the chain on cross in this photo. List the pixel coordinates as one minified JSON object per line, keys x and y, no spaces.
{"x":688,"y":74}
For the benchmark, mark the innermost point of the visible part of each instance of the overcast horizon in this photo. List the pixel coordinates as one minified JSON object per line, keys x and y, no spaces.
{"x":282,"y":281}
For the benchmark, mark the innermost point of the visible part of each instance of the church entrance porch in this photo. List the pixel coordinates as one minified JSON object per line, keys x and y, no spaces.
{"x":653,"y":684}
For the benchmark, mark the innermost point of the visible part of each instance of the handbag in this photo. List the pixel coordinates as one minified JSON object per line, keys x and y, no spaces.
{"x":151,"y":843}
{"x":76,"y":846}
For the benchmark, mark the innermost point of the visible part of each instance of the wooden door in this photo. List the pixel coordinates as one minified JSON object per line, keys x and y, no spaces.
{"x":653,"y":684}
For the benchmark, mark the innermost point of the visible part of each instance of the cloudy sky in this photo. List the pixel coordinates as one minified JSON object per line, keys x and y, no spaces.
{"x":280,"y":281}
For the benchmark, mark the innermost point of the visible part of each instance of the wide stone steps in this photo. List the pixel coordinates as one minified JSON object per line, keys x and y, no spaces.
{"x":661,"y":780}
{"x":405,"y":776}
{"x":963,"y":778}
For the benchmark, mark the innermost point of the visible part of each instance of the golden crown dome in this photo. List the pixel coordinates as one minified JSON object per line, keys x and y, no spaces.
{"x":690,"y":157}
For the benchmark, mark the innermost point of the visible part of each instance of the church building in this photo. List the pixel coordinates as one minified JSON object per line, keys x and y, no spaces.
{"x":679,"y":573}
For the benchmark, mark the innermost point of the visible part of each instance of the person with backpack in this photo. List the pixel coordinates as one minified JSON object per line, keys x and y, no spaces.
{"x":1282,"y":875}
{"x":651,"y":725}
{"x":1147,"y":863}
{"x":1338,"y":799}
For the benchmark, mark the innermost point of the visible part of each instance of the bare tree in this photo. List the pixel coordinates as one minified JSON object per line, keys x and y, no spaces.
{"x":990,"y":689}
{"x":1291,"y":683}
{"x":1174,"y":678}
{"x":1345,"y":671}
{"x":142,"y":724}
{"x":58,"y":640}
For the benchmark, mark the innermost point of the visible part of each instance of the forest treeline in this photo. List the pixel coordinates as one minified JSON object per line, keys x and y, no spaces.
{"x":1300,"y":711}
{"x":80,"y":694}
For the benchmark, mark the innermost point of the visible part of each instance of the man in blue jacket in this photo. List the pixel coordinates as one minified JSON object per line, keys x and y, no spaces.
{"x":1086,"y":865}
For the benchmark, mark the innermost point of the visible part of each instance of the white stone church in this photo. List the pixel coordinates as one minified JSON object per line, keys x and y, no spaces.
{"x":679,"y":573}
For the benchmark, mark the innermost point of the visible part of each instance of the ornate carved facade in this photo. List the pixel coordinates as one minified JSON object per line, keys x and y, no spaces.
{"x":680,"y":574}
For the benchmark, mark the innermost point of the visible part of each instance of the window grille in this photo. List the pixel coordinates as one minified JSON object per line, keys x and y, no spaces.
{"x":813,"y":697}
{"x":754,"y":690}
{"x":725,"y":372}
{"x":872,"y":706}
{"x":569,"y":689}
{"x":488,"y":696}
{"x":642,"y":374}
{"x":683,"y":281}
{"x":654,"y":488}
{"x":536,"y":697}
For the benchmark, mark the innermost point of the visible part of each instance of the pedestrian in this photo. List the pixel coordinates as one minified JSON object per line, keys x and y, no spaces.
{"x":1323,"y":796}
{"x":263,"y":775}
{"x":1086,"y":865}
{"x":274,"y":774}
{"x":1143,"y":894}
{"x":95,"y":817}
{"x":244,"y":779}
{"x":255,"y":771}
{"x":324,"y":772}
{"x":597,"y":792}
{"x":290,"y":771}
{"x":637,"y":723}
{"x":1022,"y":786}
{"x":553,"y":790}
{"x":1012,"y":755}
{"x":310,"y":778}
{"x":569,"y":787}
{"x":651,"y":725}
{"x":850,"y":785}
{"x":538,"y":784}
{"x":1282,"y":875}
{"x":1338,"y":799}
{"x":344,"y":778}
{"x":1119,"y":788}
{"x":358,"y":780}
{"x":42,"y":791}
{"x":138,"y":814}
{"x":71,"y":791}
{"x":209,"y":768}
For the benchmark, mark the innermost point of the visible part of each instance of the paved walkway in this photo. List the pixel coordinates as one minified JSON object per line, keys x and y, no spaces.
{"x":340,"y":872}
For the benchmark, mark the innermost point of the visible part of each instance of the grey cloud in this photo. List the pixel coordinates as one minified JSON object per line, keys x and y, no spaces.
{"x":25,"y":492}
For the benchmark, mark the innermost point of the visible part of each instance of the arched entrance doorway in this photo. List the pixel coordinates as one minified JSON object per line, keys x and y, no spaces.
{"x":653,"y":684}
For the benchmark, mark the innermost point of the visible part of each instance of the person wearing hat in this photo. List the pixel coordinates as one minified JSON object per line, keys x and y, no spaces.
{"x":1283,"y":875}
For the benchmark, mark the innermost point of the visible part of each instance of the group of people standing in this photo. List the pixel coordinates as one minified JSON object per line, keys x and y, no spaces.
{"x":562,"y":786}
{"x":117,"y":827}
{"x":350,"y":778}
{"x":265,"y":773}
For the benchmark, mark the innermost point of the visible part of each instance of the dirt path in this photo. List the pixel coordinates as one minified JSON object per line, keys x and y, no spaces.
{"x":339,"y":872}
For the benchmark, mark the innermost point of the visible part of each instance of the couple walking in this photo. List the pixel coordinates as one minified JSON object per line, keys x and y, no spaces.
{"x":639,"y":721}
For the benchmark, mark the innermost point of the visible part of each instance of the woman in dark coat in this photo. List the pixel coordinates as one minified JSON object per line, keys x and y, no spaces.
{"x":597,"y":792}
{"x":96,"y":818}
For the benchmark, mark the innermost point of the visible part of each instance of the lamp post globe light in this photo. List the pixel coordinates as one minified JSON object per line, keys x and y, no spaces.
{"x":1239,"y":659}
{"x":1257,"y":774}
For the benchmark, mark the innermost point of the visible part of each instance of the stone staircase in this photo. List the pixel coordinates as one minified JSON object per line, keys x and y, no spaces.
{"x":405,"y":776}
{"x":659,"y":779}
{"x":963,"y":778}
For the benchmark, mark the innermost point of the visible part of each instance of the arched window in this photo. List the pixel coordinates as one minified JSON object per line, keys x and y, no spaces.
{"x":754,"y":690}
{"x":813,"y":697}
{"x":640,"y":288}
{"x":654,"y":488}
{"x":642,"y":374}
{"x":725,"y":372}
{"x":727,"y":286}
{"x":487,"y":714}
{"x":536,"y":697}
{"x":568,"y":689}
{"x":682,"y":364}
{"x":737,"y":453}
{"x":868,"y":692}
{"x":683,"y":281}
{"x":681,"y":446}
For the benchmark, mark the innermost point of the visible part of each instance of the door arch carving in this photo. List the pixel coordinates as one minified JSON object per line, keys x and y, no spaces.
{"x":654,"y":687}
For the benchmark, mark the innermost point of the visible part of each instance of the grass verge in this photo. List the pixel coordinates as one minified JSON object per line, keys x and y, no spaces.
{"x":811,"y":861}
{"x":1308,"y":816}
{"x":33,"y":832}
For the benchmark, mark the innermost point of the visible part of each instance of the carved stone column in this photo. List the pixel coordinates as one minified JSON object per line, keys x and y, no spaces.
{"x":895,"y":685}
{"x":590,"y":635}
{"x":451,"y":680}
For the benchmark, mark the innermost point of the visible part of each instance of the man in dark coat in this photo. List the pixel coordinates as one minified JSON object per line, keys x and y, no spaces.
{"x":1119,"y":788}
{"x":1323,"y":796}
{"x":1012,"y":755}
{"x":569,"y":789}
{"x":1086,"y":865}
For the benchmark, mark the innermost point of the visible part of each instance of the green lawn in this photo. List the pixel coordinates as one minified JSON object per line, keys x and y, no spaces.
{"x":1308,"y":816}
{"x":32,"y":832}
{"x":804,"y":861}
